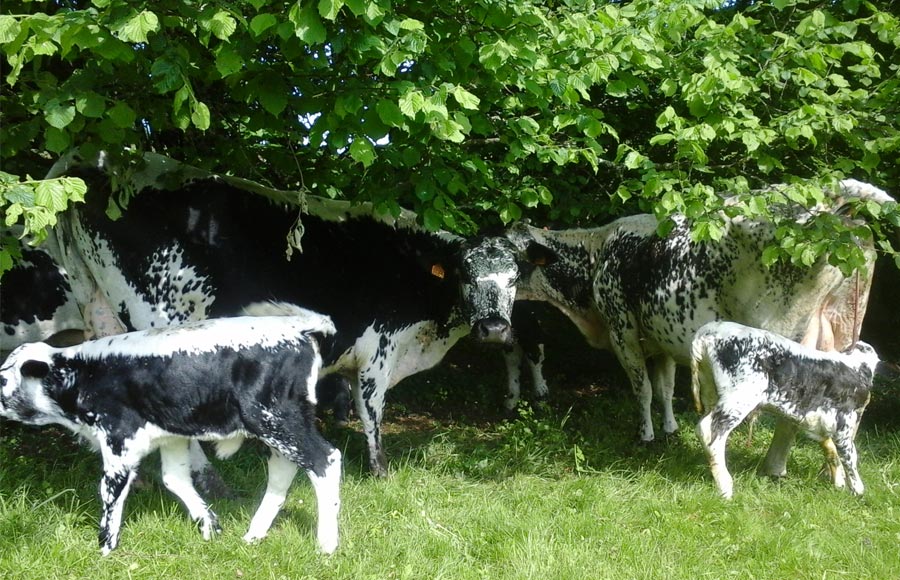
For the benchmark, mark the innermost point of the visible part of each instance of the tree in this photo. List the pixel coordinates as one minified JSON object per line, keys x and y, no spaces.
{"x":472,"y":112}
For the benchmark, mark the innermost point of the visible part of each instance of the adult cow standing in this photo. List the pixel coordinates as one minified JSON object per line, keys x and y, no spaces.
{"x":36,"y":302}
{"x":192,"y":245}
{"x":644,"y":296}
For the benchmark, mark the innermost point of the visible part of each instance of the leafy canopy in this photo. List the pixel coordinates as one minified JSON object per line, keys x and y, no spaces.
{"x":472,"y":112}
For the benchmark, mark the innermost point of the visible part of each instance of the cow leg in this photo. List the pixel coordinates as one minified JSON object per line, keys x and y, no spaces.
{"x":664,"y":384}
{"x":775,"y":463}
{"x":632,"y":360}
{"x":175,"y":458}
{"x":512,"y":356}
{"x":369,"y":393}
{"x":535,"y":359}
{"x":114,"y":486}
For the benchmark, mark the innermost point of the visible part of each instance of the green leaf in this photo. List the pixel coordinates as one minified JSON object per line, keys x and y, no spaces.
{"x":361,"y":150}
{"x":59,"y":115}
{"x":9,"y":28}
{"x":389,"y":113}
{"x":411,"y":103}
{"x":329,"y":9}
{"x":261,"y":23}
{"x":307,"y":25}
{"x":166,"y":73}
{"x":222,"y":25}
{"x":617,"y":88}
{"x":433,"y":219}
{"x":122,"y":115}
{"x":200,"y":115}
{"x":465,"y":99}
{"x":51,"y":193}
{"x":411,"y":24}
{"x":90,"y":105}
{"x":138,"y":27}
{"x":228,"y":62}
{"x":272,"y":98}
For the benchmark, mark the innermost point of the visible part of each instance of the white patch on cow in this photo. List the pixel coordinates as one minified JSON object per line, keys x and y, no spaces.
{"x":205,"y":336}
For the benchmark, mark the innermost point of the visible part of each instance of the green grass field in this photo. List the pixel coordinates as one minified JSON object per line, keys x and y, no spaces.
{"x":561,"y":491}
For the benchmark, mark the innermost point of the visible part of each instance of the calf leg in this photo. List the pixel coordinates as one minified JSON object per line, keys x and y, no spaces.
{"x":176,"y":474}
{"x":833,"y":462}
{"x":295,"y":442}
{"x":713,"y":430}
{"x":281,"y":474}
{"x":114,"y":488}
{"x":846,"y":449}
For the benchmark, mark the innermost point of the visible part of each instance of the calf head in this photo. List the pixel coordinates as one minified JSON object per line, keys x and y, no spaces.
{"x":23,"y":396}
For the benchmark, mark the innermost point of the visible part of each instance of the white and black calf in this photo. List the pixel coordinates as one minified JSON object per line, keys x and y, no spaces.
{"x":192,"y":246}
{"x":644,"y":296}
{"x":737,"y":369}
{"x":217,"y":380}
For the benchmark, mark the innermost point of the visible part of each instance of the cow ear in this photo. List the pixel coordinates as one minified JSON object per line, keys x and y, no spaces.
{"x":35,"y":369}
{"x":540,"y":255}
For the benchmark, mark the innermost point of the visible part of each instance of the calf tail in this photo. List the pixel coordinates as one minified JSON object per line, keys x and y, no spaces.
{"x":315,"y":323}
{"x":697,"y":348}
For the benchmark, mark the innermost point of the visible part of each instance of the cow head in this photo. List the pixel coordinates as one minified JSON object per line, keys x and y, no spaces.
{"x":488,"y":278}
{"x":497,"y":272}
{"x":22,"y":394}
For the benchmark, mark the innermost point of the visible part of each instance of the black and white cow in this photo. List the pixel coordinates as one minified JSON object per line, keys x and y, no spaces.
{"x":36,"y":301}
{"x":217,"y":380}
{"x":736,"y":369}
{"x":644,"y":297}
{"x":193,"y":245}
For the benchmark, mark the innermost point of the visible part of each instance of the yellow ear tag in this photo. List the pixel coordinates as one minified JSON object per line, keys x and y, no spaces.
{"x":437,"y":271}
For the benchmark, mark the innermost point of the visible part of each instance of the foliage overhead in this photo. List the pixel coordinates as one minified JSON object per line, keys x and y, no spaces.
{"x":472,"y":112}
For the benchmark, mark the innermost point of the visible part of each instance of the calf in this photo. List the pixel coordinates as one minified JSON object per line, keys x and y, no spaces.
{"x":220,"y":380}
{"x":737,"y":369}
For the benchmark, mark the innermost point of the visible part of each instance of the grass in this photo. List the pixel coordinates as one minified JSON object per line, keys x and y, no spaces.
{"x":561,"y":491}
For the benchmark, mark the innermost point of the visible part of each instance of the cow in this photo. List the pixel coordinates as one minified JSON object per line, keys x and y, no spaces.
{"x":193,"y":245}
{"x":36,"y":302}
{"x":219,"y":380}
{"x":644,"y":296}
{"x":736,"y":370}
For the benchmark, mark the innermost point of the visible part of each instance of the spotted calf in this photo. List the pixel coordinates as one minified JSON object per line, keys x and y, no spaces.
{"x":218,"y":380}
{"x":737,"y":369}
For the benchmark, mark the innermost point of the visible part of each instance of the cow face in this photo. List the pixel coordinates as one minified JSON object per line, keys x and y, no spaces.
{"x":22,"y":394}
{"x":489,"y":275}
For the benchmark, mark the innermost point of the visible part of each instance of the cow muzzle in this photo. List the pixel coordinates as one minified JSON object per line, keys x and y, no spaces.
{"x":494,"y":330}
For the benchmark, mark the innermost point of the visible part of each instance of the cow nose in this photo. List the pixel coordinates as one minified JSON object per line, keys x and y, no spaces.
{"x":493,"y":329}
